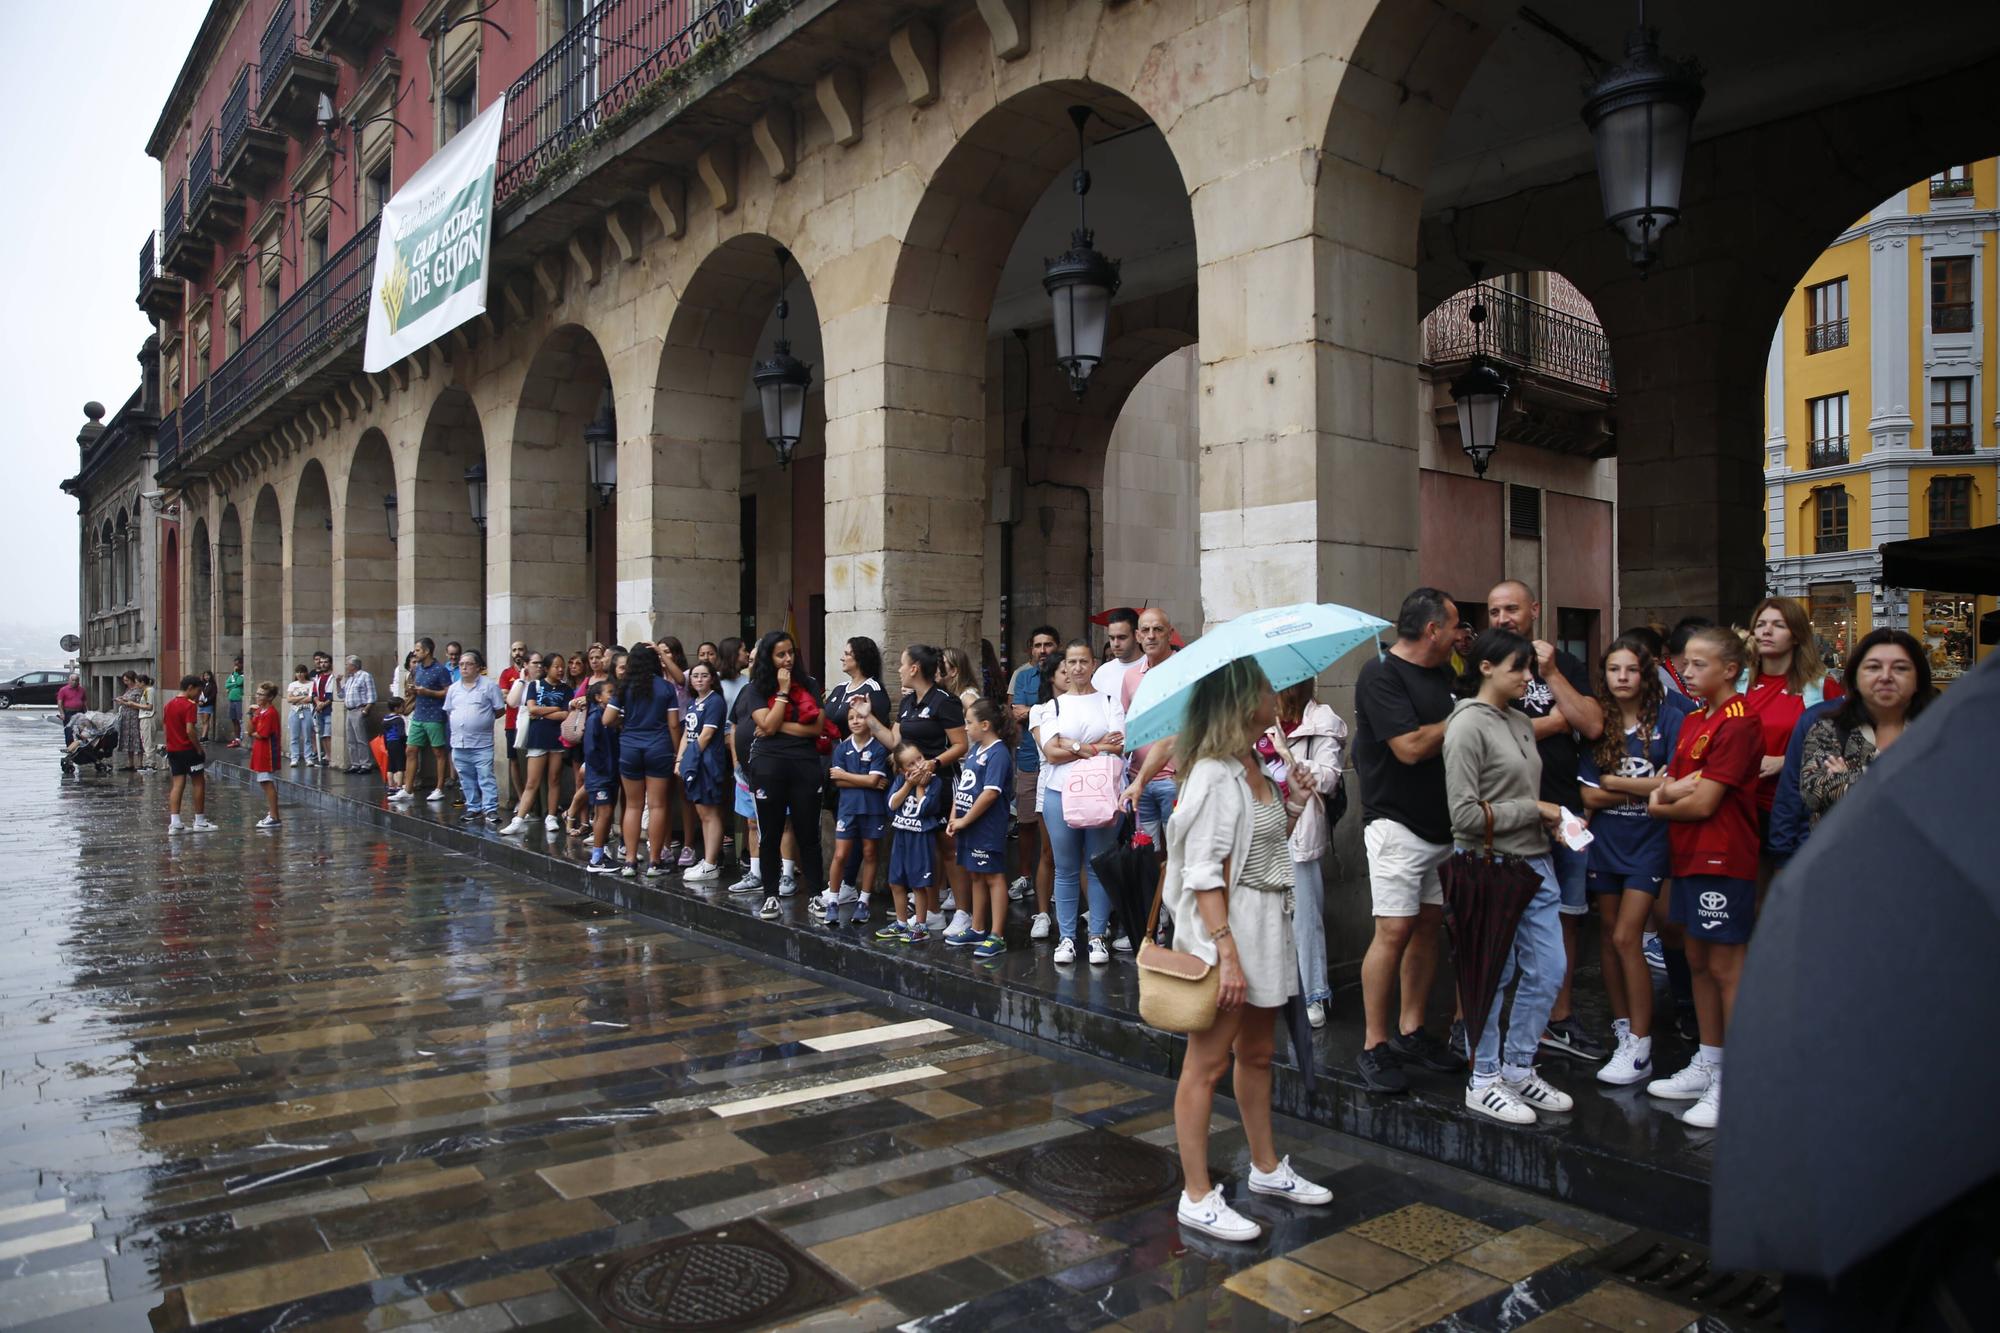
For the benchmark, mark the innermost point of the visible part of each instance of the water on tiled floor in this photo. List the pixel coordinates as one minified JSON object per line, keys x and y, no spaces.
{"x":327,"y":1077}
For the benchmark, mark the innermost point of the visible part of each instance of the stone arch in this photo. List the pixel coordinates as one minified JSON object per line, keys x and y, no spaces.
{"x":170,"y":610}
{"x":229,"y":590}
{"x":364,"y":575}
{"x":111,"y":562}
{"x":685,"y":543}
{"x":309,"y":621}
{"x":264,"y":595}
{"x":1151,"y":488}
{"x":200,"y":646}
{"x":545,"y":529}
{"x":441,"y":565}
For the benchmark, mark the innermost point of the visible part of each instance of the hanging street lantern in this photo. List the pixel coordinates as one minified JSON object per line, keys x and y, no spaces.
{"x":1479,"y":392}
{"x":1640,"y":115}
{"x":1080,"y":283}
{"x":475,"y":494}
{"x":782,"y":381}
{"x":389,"y":508}
{"x":600,"y":436}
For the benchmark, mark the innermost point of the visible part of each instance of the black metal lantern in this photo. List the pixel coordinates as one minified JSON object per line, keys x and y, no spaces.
{"x":1080,"y":283}
{"x":389,"y":508}
{"x":782,"y":381}
{"x":1640,"y":115}
{"x":601,"y":438}
{"x":1479,"y":393}
{"x":475,"y":494}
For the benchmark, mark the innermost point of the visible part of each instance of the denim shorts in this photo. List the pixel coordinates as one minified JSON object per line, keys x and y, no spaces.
{"x":1572,"y":875}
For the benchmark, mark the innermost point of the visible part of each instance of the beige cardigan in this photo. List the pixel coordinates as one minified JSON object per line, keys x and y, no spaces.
{"x":1210,"y":824}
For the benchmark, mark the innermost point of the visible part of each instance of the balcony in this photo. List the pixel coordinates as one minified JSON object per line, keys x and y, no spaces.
{"x":1952,"y":440}
{"x":251,"y":154}
{"x":1953,"y":184}
{"x":1563,"y":384}
{"x":291,"y":75}
{"x":167,"y":443}
{"x":160,"y":294}
{"x":1951,"y":317}
{"x":351,"y":29}
{"x":1830,"y":452}
{"x":284,"y":354}
{"x":215,"y":208}
{"x":1825,"y":337}
{"x":183,"y":250}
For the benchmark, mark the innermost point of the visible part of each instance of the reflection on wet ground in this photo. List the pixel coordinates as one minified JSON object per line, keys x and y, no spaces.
{"x":328,"y":1077}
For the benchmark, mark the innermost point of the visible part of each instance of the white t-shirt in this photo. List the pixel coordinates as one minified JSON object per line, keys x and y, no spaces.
{"x":1074,"y":717}
{"x":1110,"y":678}
{"x":299,"y":694}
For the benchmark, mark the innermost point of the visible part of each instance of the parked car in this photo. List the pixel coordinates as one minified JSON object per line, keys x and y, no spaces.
{"x":33,"y":687}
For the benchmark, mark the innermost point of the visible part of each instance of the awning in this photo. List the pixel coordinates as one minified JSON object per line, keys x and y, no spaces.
{"x":1966,"y":562}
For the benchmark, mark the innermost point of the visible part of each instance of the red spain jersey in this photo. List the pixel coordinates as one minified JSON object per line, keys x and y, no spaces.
{"x":1724,"y":745}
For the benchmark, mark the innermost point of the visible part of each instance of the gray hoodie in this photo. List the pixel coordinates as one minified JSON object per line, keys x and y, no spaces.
{"x":1490,"y":756}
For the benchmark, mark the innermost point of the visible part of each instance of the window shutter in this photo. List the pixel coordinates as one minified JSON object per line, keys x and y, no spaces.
{"x":1524,"y":510}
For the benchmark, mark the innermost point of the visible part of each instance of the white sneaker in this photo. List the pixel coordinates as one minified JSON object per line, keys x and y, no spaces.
{"x":551,"y":824}
{"x":1540,"y":1095}
{"x":202,"y":825}
{"x":949,"y":902}
{"x":1626,"y":1065}
{"x":1288,"y":1184}
{"x":1316,"y":1014}
{"x":518,"y":824}
{"x":748,"y":884}
{"x":848,"y":894}
{"x":1705,"y":1113}
{"x":1066,"y":951}
{"x":402,"y":796}
{"x":960,"y":923}
{"x":1498,"y":1101}
{"x":1042,"y":927}
{"x":769,"y":911}
{"x":437,"y":795}
{"x":935,"y":922}
{"x":295,"y":761}
{"x":1019,"y":889}
{"x":701,"y":872}
{"x":1099,"y":955}
{"x":1688,"y":1085}
{"x":176,"y":828}
{"x":1212,"y":1216}
{"x":1121,"y":943}
{"x":268,"y":822}
{"x":788,"y":884}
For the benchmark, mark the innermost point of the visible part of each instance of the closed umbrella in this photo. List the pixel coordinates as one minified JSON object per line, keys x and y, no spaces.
{"x":1130,"y":872}
{"x":1877,"y":944}
{"x":1484,"y":897}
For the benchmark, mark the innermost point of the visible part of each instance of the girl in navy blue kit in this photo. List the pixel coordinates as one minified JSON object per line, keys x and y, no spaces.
{"x":979,"y":824}
{"x":704,"y":770}
{"x":600,"y":775}
{"x":860,"y":775}
{"x":646,"y":712}
{"x":919,"y":805}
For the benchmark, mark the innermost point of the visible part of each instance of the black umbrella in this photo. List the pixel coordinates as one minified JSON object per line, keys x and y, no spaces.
{"x":1298,"y":1026}
{"x":1878,"y":943}
{"x":1129,"y":874}
{"x":1484,"y":897}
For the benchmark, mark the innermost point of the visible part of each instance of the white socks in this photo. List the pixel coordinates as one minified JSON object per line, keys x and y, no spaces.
{"x":1642,"y":1047}
{"x":1712,"y":1057}
{"x":1621,"y":1027}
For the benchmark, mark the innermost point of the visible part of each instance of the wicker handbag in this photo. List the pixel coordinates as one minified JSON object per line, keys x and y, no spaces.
{"x":1177,"y":989}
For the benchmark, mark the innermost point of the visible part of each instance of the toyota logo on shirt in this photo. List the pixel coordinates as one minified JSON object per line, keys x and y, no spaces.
{"x":1713,"y":902}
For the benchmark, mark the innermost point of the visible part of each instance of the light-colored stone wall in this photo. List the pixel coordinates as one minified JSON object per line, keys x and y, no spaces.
{"x":1152,"y":554}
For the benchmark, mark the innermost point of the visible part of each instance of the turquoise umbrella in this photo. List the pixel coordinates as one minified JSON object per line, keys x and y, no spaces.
{"x":1291,"y":643}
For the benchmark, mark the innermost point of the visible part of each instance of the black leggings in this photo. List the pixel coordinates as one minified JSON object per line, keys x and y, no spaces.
{"x":787,"y":788}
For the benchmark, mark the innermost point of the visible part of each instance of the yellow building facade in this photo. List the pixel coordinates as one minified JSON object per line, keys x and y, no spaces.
{"x":1882,"y":416}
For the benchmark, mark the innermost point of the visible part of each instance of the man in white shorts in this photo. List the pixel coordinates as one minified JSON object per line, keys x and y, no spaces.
{"x":1402,"y":701}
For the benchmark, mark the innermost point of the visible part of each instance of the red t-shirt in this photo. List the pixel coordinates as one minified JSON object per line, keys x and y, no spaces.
{"x":264,"y":740}
{"x":178,"y":718}
{"x":1722,"y":745}
{"x":1777,"y":711}
{"x":507,"y":679}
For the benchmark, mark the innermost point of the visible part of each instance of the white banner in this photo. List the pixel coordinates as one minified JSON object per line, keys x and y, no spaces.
{"x":437,"y":239}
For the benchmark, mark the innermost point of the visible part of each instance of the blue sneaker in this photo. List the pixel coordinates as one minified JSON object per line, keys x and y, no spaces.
{"x":918,"y":933}
{"x":1656,"y":953}
{"x":894,"y":932}
{"x":990,"y":947}
{"x":967,"y":938}
{"x":860,"y":912}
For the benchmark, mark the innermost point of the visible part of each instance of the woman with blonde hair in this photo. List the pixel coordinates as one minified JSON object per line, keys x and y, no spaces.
{"x":1229,"y":888}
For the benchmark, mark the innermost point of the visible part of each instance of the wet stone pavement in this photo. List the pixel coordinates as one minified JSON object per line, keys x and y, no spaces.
{"x":328,"y":1077}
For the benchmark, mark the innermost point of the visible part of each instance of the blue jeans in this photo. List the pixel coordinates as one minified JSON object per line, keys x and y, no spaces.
{"x":1538,"y":959}
{"x":1309,"y":930}
{"x":1072,"y":849}
{"x":475,"y":778}
{"x":325,"y":719}
{"x":1572,"y":870}
{"x":304,"y":738}
{"x":1156,"y":802}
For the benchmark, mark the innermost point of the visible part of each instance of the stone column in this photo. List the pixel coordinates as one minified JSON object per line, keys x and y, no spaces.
{"x":679,"y":532}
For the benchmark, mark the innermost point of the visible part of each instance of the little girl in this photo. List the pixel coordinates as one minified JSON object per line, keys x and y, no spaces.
{"x":979,"y":823}
{"x":395,"y":737}
{"x":704,"y":769}
{"x":860,"y":775}
{"x":919,"y":807}
{"x":600,"y":775}
{"x":264,"y":732}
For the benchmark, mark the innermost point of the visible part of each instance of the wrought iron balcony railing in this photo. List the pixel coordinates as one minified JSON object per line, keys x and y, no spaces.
{"x":1522,"y":332}
{"x":1955,"y":439}
{"x":149,"y":266}
{"x":201,"y":170}
{"x":167,"y":442}
{"x":1951,"y":317}
{"x":236,"y":111}
{"x":595,"y":69}
{"x":1825,"y":337}
{"x":281,"y":41}
{"x":1828,"y":452}
{"x":1950,"y":187}
{"x":173,"y":217}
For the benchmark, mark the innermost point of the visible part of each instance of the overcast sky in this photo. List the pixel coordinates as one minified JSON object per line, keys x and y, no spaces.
{"x":83,"y":85}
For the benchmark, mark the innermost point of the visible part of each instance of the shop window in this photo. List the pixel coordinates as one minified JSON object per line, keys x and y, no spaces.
{"x":1947,"y":634}
{"x":1830,"y":607}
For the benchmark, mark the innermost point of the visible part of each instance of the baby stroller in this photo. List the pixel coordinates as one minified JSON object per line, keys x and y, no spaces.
{"x":95,"y":740}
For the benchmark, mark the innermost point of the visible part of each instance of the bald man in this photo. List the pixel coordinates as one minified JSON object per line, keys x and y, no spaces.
{"x":1150,"y":794}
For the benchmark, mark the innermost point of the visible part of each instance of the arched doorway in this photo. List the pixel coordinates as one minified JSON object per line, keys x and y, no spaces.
{"x":442,"y":582}
{"x":229,"y":553}
{"x":364,"y":575}
{"x":200,"y":650}
{"x":263,"y":600}
{"x":558,"y":574}
{"x":169,"y":672}
{"x":309,"y":624}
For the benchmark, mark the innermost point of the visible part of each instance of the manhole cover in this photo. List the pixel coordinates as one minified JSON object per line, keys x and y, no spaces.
{"x":1680,"y":1272}
{"x":1095,"y":1175}
{"x":740,"y":1276}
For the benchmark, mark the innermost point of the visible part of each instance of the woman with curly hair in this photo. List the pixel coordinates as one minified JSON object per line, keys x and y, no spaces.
{"x":1890,"y":677}
{"x":1628,"y":858}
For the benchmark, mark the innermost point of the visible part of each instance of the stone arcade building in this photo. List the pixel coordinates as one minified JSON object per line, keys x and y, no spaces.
{"x":1291,"y":184}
